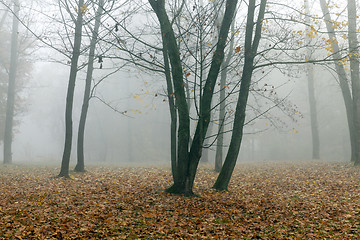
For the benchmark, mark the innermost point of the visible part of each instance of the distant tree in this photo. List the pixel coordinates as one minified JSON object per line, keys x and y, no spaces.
{"x":10,"y":102}
{"x":311,"y":88}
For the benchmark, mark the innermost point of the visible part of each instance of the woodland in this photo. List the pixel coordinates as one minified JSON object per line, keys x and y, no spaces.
{"x":226,"y":73}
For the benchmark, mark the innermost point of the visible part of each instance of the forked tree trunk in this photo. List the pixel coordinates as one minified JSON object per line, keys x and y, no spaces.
{"x":10,"y":103}
{"x":64,"y":172}
{"x":251,"y":47}
{"x":80,"y":166}
{"x":188,"y":161}
{"x":343,"y":81}
{"x":177,"y":76}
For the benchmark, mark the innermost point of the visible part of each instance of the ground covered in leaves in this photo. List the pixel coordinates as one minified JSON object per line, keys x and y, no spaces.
{"x":313,"y":200}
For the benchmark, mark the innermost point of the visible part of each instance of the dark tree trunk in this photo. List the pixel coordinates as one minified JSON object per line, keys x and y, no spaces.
{"x":80,"y":166}
{"x":64,"y":172}
{"x":251,"y":46}
{"x":183,"y":113}
{"x":173,"y":117}
{"x":343,"y":81}
{"x":11,"y":86}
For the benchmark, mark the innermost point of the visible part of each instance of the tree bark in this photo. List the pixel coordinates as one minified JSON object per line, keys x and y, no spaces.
{"x":343,"y":81}
{"x":80,"y":166}
{"x":8,"y":134}
{"x":311,"y":91}
{"x":64,"y":172}
{"x":251,"y":47}
{"x":173,"y":116}
{"x":223,"y":77}
{"x":354,"y":72}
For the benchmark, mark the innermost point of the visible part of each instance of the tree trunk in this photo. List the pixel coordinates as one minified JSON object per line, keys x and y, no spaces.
{"x":183,"y":113}
{"x":11,"y":86}
{"x":223,"y":77}
{"x":354,"y":72}
{"x":172,"y":108}
{"x":64,"y":172}
{"x":344,"y":86}
{"x":311,"y":90}
{"x":80,"y":166}
{"x":251,"y":47}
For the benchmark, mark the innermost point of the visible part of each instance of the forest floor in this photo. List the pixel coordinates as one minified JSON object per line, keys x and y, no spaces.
{"x":312,"y":200}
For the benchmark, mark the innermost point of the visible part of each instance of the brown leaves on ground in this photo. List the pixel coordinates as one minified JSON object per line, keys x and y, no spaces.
{"x":267,"y":201}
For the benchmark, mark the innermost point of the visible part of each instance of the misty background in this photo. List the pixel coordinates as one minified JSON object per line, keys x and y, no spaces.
{"x":142,"y":135}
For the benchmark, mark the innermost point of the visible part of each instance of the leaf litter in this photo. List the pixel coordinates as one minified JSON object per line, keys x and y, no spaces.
{"x":316,"y":200}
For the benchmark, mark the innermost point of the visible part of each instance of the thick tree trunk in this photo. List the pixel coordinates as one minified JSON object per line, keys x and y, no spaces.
{"x":80,"y":166}
{"x":311,"y":90}
{"x":64,"y":172}
{"x":354,"y":71}
{"x":251,"y":47}
{"x":343,"y":81}
{"x":11,"y":86}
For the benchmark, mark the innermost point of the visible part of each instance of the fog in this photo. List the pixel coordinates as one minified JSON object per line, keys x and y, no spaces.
{"x":142,"y":135}
{"x":129,"y":122}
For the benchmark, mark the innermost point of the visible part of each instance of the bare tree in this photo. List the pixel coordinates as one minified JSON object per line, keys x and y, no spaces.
{"x":11,"y":85}
{"x":311,"y":90}
{"x":64,"y":172}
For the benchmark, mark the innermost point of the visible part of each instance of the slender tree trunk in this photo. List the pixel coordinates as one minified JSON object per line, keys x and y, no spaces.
{"x":173,"y":116}
{"x":80,"y":166}
{"x":11,"y":86}
{"x":208,"y":90}
{"x":64,"y":172}
{"x":251,"y":47}
{"x":223,"y":77}
{"x":343,"y":81}
{"x":311,"y":90}
{"x":354,"y":72}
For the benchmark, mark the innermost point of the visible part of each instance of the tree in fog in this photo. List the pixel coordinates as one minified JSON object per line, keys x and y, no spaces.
{"x":15,"y":72}
{"x":10,"y":103}
{"x":354,"y":70}
{"x":222,"y":104}
{"x":80,"y":166}
{"x":349,"y":98}
{"x":187,"y":161}
{"x":81,"y":9}
{"x":311,"y":88}
{"x":252,"y":39}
